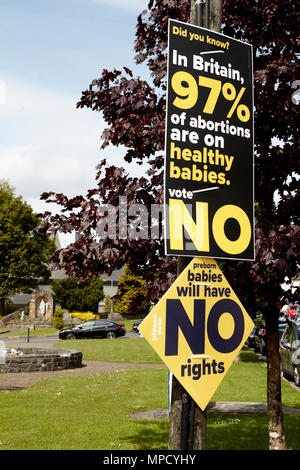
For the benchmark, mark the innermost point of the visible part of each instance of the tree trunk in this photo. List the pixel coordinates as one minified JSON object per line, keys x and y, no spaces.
{"x":277,"y":439}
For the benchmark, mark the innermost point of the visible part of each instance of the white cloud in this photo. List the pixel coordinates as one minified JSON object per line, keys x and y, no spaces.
{"x":131,"y":5}
{"x":49,"y":144}
{"x":32,"y":171}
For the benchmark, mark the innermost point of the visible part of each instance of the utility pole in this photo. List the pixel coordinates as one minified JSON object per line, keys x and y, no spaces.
{"x":187,"y":420}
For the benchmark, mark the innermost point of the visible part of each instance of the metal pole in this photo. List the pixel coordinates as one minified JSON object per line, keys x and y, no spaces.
{"x":199,"y":16}
{"x":207,"y":13}
{"x":28,"y":333}
{"x":185,"y":421}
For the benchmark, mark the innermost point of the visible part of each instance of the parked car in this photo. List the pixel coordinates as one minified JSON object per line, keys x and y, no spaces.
{"x":281,"y":328}
{"x":94,"y":329}
{"x":260,"y":339}
{"x":251,"y":338}
{"x":136,"y":325}
{"x":289,"y":351}
{"x":293,"y":311}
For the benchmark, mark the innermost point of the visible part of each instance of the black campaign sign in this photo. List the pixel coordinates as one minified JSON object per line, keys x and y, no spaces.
{"x":209,"y":182}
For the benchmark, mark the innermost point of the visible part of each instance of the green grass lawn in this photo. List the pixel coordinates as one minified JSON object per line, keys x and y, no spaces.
{"x":37,"y":332}
{"x":122,"y":350}
{"x":92,"y":412}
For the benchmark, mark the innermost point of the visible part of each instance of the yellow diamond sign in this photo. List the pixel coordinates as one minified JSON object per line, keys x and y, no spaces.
{"x":198,"y":328}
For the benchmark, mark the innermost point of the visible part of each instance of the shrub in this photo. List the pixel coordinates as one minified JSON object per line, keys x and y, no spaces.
{"x":84,"y":316}
{"x":58,"y":319}
{"x":107,"y":304}
{"x":77,"y":297}
{"x":131,"y":298}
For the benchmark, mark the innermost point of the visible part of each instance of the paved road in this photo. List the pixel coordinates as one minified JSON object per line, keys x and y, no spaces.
{"x":50,"y":338}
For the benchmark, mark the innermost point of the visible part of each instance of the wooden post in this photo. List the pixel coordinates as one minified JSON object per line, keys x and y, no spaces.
{"x":187,"y":420}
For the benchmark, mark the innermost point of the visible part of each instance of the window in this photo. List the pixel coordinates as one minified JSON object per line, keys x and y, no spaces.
{"x":87,"y":325}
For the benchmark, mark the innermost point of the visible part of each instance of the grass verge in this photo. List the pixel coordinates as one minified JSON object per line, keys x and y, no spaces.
{"x":37,"y":332}
{"x":125,"y":350}
{"x":93,"y":412}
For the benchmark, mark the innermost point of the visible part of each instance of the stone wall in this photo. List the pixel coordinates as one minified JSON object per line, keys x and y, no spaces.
{"x":11,"y":318}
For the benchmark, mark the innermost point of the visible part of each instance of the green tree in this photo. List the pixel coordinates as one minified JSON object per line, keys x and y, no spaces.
{"x":73,"y":296}
{"x":24,"y":251}
{"x":132,"y":295}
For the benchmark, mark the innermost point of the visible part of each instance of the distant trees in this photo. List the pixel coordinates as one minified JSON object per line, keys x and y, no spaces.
{"x":73,"y":296}
{"x":24,"y":251}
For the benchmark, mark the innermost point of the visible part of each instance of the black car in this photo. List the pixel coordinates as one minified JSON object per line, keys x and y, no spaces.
{"x":289,"y":350}
{"x":136,"y":325}
{"x":94,"y":329}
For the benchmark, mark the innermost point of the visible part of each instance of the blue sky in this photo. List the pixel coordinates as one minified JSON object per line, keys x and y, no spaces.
{"x":50,"y":52}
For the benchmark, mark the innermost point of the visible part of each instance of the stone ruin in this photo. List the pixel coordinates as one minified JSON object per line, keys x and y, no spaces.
{"x":40,"y":312}
{"x":16,"y":360}
{"x":41,"y":305}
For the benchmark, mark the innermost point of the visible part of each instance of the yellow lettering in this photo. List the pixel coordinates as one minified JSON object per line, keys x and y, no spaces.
{"x":180,"y":218}
{"x":221,"y":216}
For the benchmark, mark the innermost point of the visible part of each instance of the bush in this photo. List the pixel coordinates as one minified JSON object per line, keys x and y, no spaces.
{"x":107,"y":304}
{"x":77,"y":297}
{"x":131,"y":298}
{"x":85,"y":316}
{"x":10,"y":309}
{"x":58,"y":319}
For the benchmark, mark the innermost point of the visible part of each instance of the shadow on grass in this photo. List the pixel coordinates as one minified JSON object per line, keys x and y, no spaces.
{"x":233,"y":432}
{"x":222,"y":433}
{"x":149,"y":435}
{"x":247,"y":355}
{"x":237,"y":432}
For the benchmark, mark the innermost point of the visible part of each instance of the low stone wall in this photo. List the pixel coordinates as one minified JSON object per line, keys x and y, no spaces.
{"x":38,"y":360}
{"x":11,"y":318}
